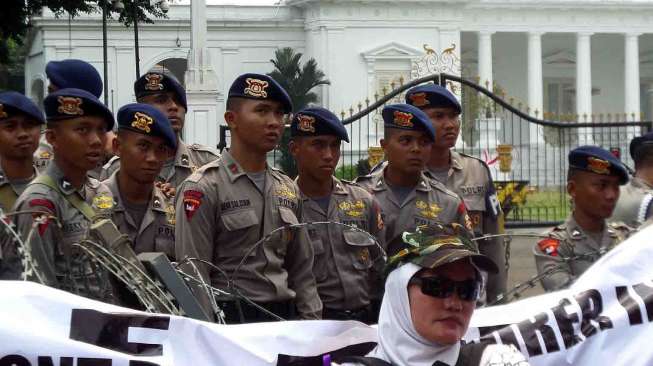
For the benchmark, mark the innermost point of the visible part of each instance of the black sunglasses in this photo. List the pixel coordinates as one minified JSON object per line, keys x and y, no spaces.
{"x":442,"y":287}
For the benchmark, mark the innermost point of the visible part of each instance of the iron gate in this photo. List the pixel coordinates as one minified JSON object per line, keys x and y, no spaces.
{"x":527,"y":155}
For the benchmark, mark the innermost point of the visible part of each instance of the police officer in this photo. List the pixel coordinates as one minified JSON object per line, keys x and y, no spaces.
{"x":343,"y":265}
{"x":636,"y":197}
{"x":228,"y":205}
{"x":409,"y":198}
{"x":20,"y":128}
{"x":593,"y":183}
{"x":66,"y":197}
{"x":70,"y":73}
{"x":144,"y":142}
{"x":466,"y":175}
{"x":163,"y":91}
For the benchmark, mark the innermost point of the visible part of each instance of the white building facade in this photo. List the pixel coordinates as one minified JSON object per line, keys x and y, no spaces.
{"x":587,"y":58}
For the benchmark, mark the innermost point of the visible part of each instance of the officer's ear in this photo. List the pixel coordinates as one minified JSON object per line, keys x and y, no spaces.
{"x":293,"y":147}
{"x":571,"y":188}
{"x":50,"y":134}
{"x":383,"y":143}
{"x":230,"y":118}
{"x":116,"y":144}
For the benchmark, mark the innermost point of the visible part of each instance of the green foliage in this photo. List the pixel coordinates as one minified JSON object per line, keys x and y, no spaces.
{"x":346,"y":172}
{"x":15,"y":17}
{"x":12,"y":73}
{"x":298,"y":80}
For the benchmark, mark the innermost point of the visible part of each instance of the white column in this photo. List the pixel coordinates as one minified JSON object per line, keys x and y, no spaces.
{"x":631,"y":76}
{"x":201,"y":84}
{"x":584,"y":85}
{"x":485,"y":59}
{"x":535,"y":87}
{"x":324,"y":64}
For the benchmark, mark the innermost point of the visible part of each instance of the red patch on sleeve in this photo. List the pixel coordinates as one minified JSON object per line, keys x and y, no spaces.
{"x":192,"y":202}
{"x":49,"y":208}
{"x":462,"y":209}
{"x":549,"y":246}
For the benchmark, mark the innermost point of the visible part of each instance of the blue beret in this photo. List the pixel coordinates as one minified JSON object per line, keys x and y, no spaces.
{"x":74,"y":74}
{"x":12,"y":103}
{"x":597,"y":160}
{"x":317,"y":121}
{"x":156,"y":82}
{"x":407,"y":117}
{"x":432,"y":95}
{"x":72,"y":103}
{"x":637,"y":142}
{"x":147,"y":120}
{"x":257,"y":86}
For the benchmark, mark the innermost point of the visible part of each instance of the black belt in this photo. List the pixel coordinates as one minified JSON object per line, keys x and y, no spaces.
{"x":240,"y":311}
{"x":363,"y":314}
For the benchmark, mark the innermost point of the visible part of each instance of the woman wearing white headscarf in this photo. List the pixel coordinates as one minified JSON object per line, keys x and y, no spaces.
{"x":428,"y":303}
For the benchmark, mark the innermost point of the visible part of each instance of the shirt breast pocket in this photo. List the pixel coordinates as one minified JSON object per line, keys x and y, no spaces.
{"x":287,"y":217}
{"x":236,"y":225}
{"x":165,"y":240}
{"x":359,"y":245}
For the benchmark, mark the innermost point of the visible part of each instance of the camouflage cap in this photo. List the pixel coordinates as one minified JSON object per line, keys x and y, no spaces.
{"x":431,"y":246}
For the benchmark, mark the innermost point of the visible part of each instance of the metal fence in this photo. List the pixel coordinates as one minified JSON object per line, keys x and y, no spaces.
{"x":527,"y":156}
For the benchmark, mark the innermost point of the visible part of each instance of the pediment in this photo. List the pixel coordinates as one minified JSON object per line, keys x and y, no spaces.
{"x":560,"y":57}
{"x":392,"y":50}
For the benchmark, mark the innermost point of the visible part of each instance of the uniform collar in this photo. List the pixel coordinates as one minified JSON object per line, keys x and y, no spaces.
{"x":338,"y":188}
{"x":65,"y":186}
{"x":640,"y":183}
{"x":379,"y":183}
{"x":456,"y":160}
{"x":157,"y":199}
{"x":182,"y":156}
{"x":576,"y":232}
{"x":234,"y":170}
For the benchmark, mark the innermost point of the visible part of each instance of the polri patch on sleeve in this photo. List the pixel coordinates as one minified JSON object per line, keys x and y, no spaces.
{"x":42,"y":203}
{"x":549,"y":246}
{"x":192,"y":202}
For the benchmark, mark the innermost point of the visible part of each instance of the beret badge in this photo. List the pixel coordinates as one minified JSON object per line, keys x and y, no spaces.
{"x":403,"y":119}
{"x":598,"y":166}
{"x":70,"y":106}
{"x":306,"y":123}
{"x":256,"y":88}
{"x":153,"y":82}
{"x":142,"y":122}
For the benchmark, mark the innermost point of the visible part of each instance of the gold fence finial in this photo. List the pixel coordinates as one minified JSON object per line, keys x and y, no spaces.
{"x":360,"y":106}
{"x":537,"y":112}
{"x":585,"y":117}
{"x":351,"y":111}
{"x":342,"y":113}
{"x":376,"y":96}
{"x":401,"y":80}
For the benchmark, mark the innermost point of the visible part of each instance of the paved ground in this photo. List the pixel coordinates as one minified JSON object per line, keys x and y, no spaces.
{"x":522,"y":265}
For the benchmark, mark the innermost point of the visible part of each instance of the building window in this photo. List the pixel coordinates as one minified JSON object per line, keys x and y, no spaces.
{"x":560,"y":97}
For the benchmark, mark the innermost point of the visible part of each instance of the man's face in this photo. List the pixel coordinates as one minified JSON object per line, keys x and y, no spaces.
{"x":79,"y":142}
{"x":19,"y":137}
{"x":141,"y":156}
{"x":444,"y":321}
{"x":316,"y":156}
{"x":257,"y":123}
{"x":407,"y":151}
{"x":168,"y":104}
{"x":594,"y":194}
{"x":446,"y":122}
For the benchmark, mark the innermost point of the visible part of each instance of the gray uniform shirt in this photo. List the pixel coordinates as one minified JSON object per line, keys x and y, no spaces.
{"x":633,"y":204}
{"x":569,"y":240}
{"x":343,"y":257}
{"x":51,"y":246}
{"x":188,"y":158}
{"x":156,"y":232}
{"x":221,"y":215}
{"x":10,"y":190}
{"x":429,"y":202}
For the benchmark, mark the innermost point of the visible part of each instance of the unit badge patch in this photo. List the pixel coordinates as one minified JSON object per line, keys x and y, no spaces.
{"x":192,"y":202}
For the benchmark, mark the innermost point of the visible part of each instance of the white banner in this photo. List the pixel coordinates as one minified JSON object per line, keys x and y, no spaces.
{"x":603,"y":319}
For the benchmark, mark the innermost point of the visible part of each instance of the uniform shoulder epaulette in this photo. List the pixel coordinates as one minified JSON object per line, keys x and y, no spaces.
{"x":618,"y":225}
{"x":441,"y":187}
{"x":473,"y":157}
{"x":92,"y":182}
{"x":198,"y":147}
{"x":114,"y":160}
{"x":199,"y":173}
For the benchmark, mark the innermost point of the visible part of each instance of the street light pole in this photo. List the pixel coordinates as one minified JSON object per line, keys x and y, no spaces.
{"x":138,"y":60}
{"x":104,"y":50}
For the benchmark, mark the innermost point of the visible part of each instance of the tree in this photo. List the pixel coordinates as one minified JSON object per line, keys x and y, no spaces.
{"x":15,"y":17}
{"x":298,"y":80}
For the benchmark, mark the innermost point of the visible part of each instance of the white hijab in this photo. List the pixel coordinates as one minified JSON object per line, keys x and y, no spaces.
{"x":399,"y":342}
